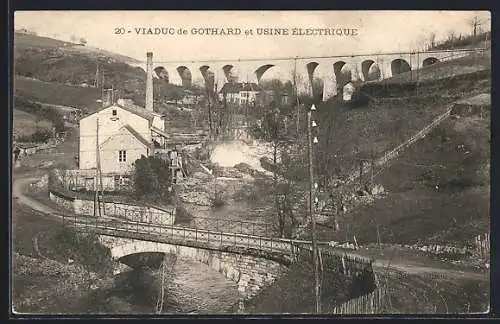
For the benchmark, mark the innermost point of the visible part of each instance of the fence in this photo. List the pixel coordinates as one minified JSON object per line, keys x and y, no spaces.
{"x":482,"y":244}
{"x":234,"y":226}
{"x":76,"y":180}
{"x":380,"y":162}
{"x":370,"y":303}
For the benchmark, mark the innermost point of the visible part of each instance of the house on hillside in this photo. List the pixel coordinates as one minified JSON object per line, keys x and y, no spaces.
{"x":121,"y":132}
{"x":239,"y":93}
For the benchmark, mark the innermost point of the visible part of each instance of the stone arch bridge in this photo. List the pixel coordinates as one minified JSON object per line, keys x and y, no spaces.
{"x":334,"y":72}
{"x":253,"y":262}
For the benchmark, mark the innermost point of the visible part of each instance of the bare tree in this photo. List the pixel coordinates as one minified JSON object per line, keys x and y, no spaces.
{"x":475,"y":23}
{"x":432,"y":40}
{"x":451,"y":35}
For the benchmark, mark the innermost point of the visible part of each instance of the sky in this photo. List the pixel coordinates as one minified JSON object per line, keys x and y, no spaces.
{"x":376,"y":31}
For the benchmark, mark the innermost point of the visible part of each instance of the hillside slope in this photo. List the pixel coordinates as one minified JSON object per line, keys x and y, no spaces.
{"x":348,"y":133}
{"x":468,"y":64}
{"x":437,"y":191}
{"x":57,"y":94}
{"x":66,"y":64}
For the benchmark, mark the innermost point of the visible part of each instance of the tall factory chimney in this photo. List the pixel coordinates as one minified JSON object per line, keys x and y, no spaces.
{"x":149,"y":81}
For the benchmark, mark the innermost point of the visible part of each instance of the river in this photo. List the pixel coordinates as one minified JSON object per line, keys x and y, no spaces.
{"x":194,"y":288}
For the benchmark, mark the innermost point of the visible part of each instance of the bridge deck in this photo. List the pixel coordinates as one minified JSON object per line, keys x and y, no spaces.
{"x":199,"y":238}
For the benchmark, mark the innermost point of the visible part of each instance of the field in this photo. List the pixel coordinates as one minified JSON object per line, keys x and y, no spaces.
{"x":58,"y":94}
{"x":26,"y":124}
{"x":63,"y":156}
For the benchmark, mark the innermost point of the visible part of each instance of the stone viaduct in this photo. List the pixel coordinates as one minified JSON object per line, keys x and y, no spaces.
{"x":334,"y":71}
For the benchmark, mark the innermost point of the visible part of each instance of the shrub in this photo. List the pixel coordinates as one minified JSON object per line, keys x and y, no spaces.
{"x":152,"y":179}
{"x":218,"y":199}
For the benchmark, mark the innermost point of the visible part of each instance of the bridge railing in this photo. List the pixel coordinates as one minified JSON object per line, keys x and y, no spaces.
{"x":198,"y":237}
{"x":232,"y":225}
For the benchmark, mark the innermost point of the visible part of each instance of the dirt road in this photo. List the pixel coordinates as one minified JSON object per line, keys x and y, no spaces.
{"x":17,"y":193}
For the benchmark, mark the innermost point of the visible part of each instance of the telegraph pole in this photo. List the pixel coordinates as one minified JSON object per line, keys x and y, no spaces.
{"x":99,"y":170}
{"x":96,"y":188}
{"x":296,"y":95}
{"x":312,"y":187}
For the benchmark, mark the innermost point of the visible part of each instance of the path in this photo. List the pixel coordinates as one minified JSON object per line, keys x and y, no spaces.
{"x":17,"y":193}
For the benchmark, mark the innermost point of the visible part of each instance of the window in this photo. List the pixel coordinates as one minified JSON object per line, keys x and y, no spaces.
{"x":122,"y":156}
{"x":114,"y":112}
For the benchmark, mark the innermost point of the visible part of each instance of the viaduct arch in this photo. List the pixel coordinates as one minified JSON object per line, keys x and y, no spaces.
{"x":363,"y":68}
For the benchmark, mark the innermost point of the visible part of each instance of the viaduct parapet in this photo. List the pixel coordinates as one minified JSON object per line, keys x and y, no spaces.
{"x":335,"y":72}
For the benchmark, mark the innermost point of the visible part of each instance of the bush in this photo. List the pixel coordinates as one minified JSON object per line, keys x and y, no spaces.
{"x":218,"y":199}
{"x":152,"y":179}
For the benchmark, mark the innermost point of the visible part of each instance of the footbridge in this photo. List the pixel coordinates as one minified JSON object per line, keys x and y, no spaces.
{"x":333,"y":71}
{"x":252,"y":261}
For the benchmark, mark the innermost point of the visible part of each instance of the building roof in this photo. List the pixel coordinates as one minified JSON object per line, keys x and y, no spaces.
{"x":131,"y":131}
{"x":240,"y":86}
{"x":130,"y":107}
{"x":137,"y":135}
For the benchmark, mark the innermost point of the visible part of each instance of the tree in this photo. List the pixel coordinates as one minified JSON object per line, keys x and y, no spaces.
{"x":475,"y":23}
{"x":83,"y":41}
{"x":276,"y":129}
{"x":73,"y":38}
{"x":152,"y":179}
{"x":431,"y":40}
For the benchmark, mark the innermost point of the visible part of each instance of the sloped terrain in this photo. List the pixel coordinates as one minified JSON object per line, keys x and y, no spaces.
{"x":294,"y":292}
{"x":438,"y":190}
{"x":65,"y":64}
{"x":417,"y":294}
{"x":26,"y":123}
{"x":440,"y":70}
{"x":57,"y":94}
{"x":347,"y":134}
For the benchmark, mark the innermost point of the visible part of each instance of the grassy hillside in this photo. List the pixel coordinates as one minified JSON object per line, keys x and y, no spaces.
{"x":24,"y":41}
{"x":25,"y":124}
{"x":65,"y":64}
{"x":348,"y":133}
{"x":58,"y":94}
{"x":441,"y":70}
{"x":438,"y":191}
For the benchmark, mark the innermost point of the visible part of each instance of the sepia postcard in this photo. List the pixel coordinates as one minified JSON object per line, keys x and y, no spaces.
{"x":334,"y":163}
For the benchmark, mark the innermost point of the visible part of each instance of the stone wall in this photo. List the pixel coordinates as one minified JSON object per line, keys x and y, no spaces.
{"x":251,"y":273}
{"x":146,"y":214}
{"x":65,"y":202}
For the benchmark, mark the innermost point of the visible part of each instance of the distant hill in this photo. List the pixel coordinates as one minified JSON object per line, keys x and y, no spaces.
{"x":23,"y":41}
{"x":53,"y":71}
{"x":470,"y":41}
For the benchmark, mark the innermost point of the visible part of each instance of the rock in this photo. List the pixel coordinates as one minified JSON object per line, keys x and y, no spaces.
{"x":377,"y":189}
